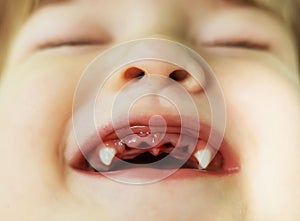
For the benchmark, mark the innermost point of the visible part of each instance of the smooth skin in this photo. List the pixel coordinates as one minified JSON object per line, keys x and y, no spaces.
{"x":260,"y":81}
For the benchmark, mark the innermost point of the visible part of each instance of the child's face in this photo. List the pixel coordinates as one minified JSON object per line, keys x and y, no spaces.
{"x":255,"y":59}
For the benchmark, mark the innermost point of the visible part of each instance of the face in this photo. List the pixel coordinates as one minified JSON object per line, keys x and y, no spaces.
{"x":253,"y":55}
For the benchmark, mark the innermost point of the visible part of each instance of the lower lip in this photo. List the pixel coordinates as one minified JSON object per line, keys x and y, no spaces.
{"x":152,"y":175}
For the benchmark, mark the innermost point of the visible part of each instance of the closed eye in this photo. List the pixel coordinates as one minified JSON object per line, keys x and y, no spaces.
{"x":88,"y":42}
{"x":70,"y":43}
{"x":244,"y":44}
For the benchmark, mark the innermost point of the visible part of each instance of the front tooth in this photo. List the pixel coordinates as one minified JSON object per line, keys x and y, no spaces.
{"x":155,"y":151}
{"x":204,"y":157}
{"x":107,"y":154}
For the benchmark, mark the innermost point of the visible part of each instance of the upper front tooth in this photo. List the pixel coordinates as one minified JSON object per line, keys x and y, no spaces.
{"x":155,"y":151}
{"x":107,"y":154}
{"x":204,"y":157}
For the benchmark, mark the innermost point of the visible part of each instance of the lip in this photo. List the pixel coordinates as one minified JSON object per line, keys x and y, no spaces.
{"x":151,"y":175}
{"x":174,"y":125}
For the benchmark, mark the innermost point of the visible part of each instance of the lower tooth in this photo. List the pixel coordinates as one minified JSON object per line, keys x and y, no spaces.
{"x":106,"y":155}
{"x":204,"y":157}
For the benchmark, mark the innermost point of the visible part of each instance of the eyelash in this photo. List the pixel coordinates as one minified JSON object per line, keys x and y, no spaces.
{"x":247,"y":44}
{"x":69,"y":43}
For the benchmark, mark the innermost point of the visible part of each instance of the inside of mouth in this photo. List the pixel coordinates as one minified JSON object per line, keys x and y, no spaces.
{"x":172,"y":150}
{"x":146,"y":159}
{"x":145,"y":148}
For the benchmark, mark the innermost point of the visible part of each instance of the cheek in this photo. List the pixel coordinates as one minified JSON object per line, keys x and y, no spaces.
{"x":38,"y":95}
{"x":268,"y":107}
{"x":36,"y":107}
{"x":266,"y":100}
{"x":264,"y":120}
{"x":39,"y":102}
{"x":36,"y":104}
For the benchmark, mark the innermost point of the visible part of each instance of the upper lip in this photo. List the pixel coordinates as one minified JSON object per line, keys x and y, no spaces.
{"x":174,"y":125}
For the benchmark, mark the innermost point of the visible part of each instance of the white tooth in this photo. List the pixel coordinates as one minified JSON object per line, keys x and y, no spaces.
{"x":204,"y":157}
{"x":107,"y":154}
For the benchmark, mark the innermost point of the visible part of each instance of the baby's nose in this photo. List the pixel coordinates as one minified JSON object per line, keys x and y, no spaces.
{"x":148,"y":68}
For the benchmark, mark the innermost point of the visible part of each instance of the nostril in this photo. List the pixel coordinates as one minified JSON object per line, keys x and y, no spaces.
{"x":134,"y":72}
{"x":179,"y":75}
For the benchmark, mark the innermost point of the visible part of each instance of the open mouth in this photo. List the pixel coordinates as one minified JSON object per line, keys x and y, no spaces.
{"x":158,"y":148}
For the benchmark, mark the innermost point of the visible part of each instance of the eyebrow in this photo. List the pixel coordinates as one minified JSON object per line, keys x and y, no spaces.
{"x":255,"y":3}
{"x":259,"y":4}
{"x":276,"y":7}
{"x":40,"y":3}
{"x":44,"y":2}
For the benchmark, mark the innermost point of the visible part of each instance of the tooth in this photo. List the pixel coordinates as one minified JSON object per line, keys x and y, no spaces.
{"x":107,"y":154}
{"x":204,"y":157}
{"x":155,"y":151}
{"x":120,"y":146}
